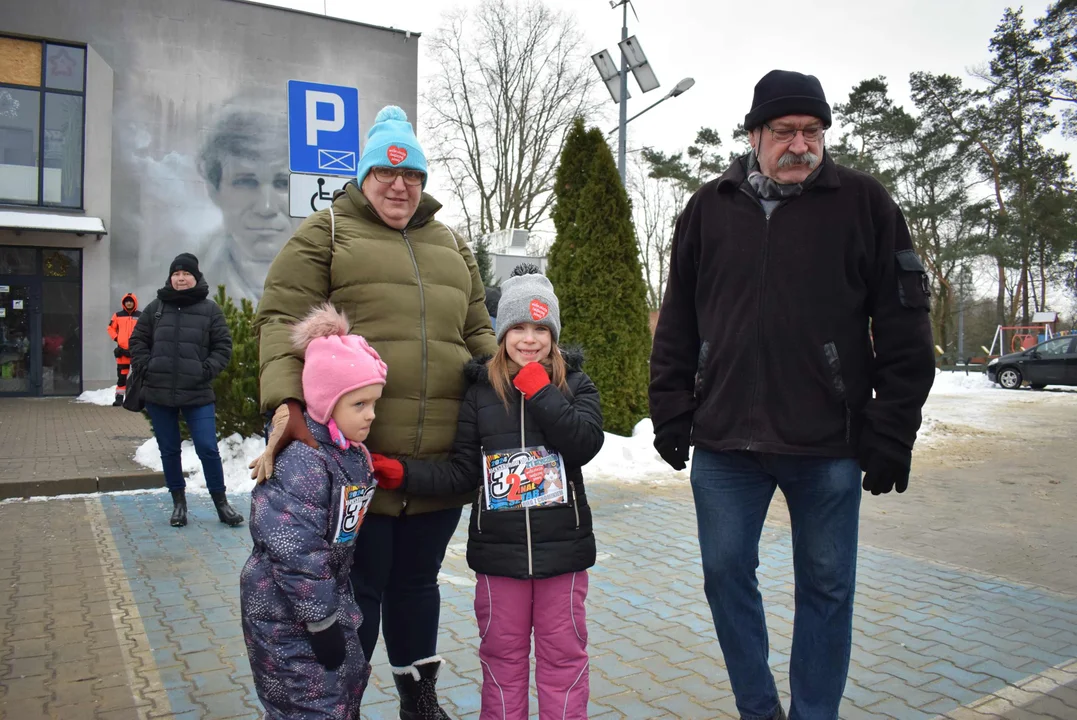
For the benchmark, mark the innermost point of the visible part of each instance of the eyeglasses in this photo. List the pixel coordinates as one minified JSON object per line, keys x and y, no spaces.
{"x":785,"y":135}
{"x":389,"y":175}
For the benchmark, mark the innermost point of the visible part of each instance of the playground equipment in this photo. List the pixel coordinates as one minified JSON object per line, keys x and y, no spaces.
{"x":1023,"y":337}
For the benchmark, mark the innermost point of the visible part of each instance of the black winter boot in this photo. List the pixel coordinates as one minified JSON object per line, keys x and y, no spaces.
{"x":224,"y":511}
{"x":118,"y":402}
{"x":417,"y":685}
{"x":179,"y":508}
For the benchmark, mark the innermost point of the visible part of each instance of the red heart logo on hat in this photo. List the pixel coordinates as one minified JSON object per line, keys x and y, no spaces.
{"x":539,"y":310}
{"x":396,"y":154}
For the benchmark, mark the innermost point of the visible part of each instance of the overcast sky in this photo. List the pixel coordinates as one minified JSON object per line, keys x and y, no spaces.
{"x":728,"y":45}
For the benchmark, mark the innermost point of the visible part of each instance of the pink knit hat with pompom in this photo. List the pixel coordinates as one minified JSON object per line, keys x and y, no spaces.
{"x":335,"y":363}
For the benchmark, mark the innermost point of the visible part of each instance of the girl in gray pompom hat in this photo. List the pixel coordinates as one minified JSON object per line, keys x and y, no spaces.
{"x":528,"y":424}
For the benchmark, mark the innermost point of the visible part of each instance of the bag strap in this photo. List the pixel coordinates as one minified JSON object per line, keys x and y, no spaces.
{"x":332,"y":243}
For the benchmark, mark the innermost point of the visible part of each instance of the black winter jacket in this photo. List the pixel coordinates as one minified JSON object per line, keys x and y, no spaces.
{"x":531,"y":543}
{"x":767,"y":326}
{"x":183,"y":342}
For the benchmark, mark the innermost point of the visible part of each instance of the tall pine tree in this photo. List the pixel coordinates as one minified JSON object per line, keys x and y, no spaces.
{"x":563,"y":270}
{"x":609,"y":318}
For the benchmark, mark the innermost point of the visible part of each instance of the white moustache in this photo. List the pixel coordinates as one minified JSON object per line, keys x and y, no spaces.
{"x":790,"y":159}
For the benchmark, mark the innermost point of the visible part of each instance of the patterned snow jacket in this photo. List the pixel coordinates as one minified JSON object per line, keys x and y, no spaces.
{"x":304,"y":521}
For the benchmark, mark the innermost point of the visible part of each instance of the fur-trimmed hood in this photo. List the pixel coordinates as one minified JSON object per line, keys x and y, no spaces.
{"x":476,"y":371}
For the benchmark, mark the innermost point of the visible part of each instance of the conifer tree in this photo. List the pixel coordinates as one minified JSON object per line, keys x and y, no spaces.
{"x":609,"y":319}
{"x":561,"y":267}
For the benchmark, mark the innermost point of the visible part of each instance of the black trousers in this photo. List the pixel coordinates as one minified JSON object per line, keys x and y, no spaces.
{"x":395,"y":581}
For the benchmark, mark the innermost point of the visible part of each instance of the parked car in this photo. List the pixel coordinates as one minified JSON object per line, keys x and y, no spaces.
{"x":1051,"y":363}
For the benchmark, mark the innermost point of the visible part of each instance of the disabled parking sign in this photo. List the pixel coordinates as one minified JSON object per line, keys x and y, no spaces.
{"x":323,"y":128}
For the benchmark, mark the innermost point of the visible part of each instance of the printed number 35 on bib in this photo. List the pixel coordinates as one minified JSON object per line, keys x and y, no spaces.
{"x":352,"y":509}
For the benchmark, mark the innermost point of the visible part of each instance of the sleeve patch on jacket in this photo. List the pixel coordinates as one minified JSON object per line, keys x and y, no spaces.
{"x":914,"y":290}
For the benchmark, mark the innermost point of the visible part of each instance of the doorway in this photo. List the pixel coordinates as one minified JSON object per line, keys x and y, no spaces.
{"x":40,"y":321}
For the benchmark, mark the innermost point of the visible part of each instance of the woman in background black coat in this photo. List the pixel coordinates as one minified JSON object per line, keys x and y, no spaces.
{"x":182,"y":341}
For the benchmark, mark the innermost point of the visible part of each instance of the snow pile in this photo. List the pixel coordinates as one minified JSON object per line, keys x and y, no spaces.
{"x":954,"y":383}
{"x":632,"y":460}
{"x":236,"y":454}
{"x":98,"y":397}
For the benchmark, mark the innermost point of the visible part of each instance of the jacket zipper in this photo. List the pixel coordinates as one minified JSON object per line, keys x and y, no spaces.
{"x":527,"y":510}
{"x":175,"y":365}
{"x":759,"y":313}
{"x":422,"y":330}
{"x":482,"y":492}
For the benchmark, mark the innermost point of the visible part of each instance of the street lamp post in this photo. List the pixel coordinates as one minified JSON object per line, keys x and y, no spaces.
{"x":681,"y":87}
{"x":622,"y":139}
{"x":616,"y":80}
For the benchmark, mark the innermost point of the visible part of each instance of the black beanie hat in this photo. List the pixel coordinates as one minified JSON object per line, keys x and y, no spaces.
{"x":784,"y":92}
{"x":188,"y":262}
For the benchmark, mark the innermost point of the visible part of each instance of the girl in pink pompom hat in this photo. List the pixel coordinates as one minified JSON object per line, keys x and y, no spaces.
{"x":299,"y":615}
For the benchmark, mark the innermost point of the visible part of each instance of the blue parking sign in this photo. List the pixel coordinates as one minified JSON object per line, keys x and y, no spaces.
{"x":323,"y":128}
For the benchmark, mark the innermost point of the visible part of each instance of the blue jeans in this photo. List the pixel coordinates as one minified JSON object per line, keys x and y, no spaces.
{"x":202,"y":422}
{"x":395,"y":581}
{"x":732,"y":493}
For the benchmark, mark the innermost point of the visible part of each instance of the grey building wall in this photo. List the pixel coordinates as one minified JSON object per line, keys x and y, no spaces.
{"x":198,"y":143}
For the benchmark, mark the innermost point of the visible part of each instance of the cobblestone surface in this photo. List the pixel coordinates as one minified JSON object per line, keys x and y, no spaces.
{"x":107,"y":612}
{"x":54,"y":441}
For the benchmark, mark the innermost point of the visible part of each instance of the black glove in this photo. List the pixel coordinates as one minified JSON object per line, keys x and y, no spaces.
{"x":671,"y":440}
{"x":330,"y":646}
{"x":118,"y":352}
{"x":885,"y":463}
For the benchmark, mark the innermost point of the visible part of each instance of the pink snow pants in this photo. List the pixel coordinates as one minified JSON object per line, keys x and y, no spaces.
{"x":507,"y":609}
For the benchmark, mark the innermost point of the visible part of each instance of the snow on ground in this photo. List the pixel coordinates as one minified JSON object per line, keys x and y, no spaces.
{"x":98,"y":397}
{"x":960,"y":404}
{"x":963,"y":404}
{"x":236,"y":454}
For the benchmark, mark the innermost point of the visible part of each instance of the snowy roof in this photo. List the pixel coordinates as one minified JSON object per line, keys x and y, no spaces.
{"x":1045,"y":317}
{"x":52,"y":222}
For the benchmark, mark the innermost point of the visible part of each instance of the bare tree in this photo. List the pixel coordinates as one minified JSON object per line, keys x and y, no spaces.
{"x":656,"y":203}
{"x":510,"y":78}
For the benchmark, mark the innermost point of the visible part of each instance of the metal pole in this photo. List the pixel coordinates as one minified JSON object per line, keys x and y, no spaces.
{"x":622,"y":140}
{"x":667,"y":97}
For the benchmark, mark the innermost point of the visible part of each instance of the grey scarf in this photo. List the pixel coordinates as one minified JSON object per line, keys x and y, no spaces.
{"x":770,"y":189}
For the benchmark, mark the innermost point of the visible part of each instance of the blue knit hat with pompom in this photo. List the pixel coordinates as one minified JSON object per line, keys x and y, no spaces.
{"x":391,"y":142}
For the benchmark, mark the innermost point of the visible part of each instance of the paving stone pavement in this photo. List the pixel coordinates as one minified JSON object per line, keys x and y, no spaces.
{"x":107,"y":612}
{"x":50,"y":446}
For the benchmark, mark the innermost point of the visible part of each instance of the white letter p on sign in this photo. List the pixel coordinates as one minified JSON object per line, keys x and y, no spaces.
{"x":314,"y":125}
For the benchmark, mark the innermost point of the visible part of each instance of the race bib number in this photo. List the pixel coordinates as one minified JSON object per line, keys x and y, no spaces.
{"x":353,"y":504}
{"x":530,"y":477}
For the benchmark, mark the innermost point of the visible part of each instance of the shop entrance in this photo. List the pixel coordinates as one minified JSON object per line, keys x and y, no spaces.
{"x":40,"y":321}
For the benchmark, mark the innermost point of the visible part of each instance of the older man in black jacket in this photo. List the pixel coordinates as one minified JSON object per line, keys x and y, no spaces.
{"x":794,"y":350}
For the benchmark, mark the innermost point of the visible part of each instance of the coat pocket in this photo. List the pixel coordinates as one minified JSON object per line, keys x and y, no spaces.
{"x":837,"y":383}
{"x":701,"y":369}
{"x":914,"y":290}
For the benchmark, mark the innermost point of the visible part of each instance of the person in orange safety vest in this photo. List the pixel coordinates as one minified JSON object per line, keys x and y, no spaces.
{"x":119,"y":329}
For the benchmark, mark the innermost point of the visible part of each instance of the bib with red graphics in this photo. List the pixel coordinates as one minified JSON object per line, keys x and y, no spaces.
{"x":525,"y":478}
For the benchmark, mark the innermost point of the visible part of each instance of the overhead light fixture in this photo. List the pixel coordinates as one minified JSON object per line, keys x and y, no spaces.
{"x":637,"y":63}
{"x":610,"y":76}
{"x":682,"y":87}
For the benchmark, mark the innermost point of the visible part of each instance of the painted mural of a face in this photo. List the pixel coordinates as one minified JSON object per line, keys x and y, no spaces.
{"x":244,"y":162}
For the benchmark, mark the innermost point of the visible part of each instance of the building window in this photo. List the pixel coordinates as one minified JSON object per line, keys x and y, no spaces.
{"x":42,"y":113}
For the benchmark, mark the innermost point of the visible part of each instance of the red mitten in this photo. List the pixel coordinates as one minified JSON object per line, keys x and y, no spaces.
{"x":389,"y":473}
{"x":531,"y":378}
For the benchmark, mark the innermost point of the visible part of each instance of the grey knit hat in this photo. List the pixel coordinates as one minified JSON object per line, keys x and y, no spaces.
{"x":527,"y":296}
